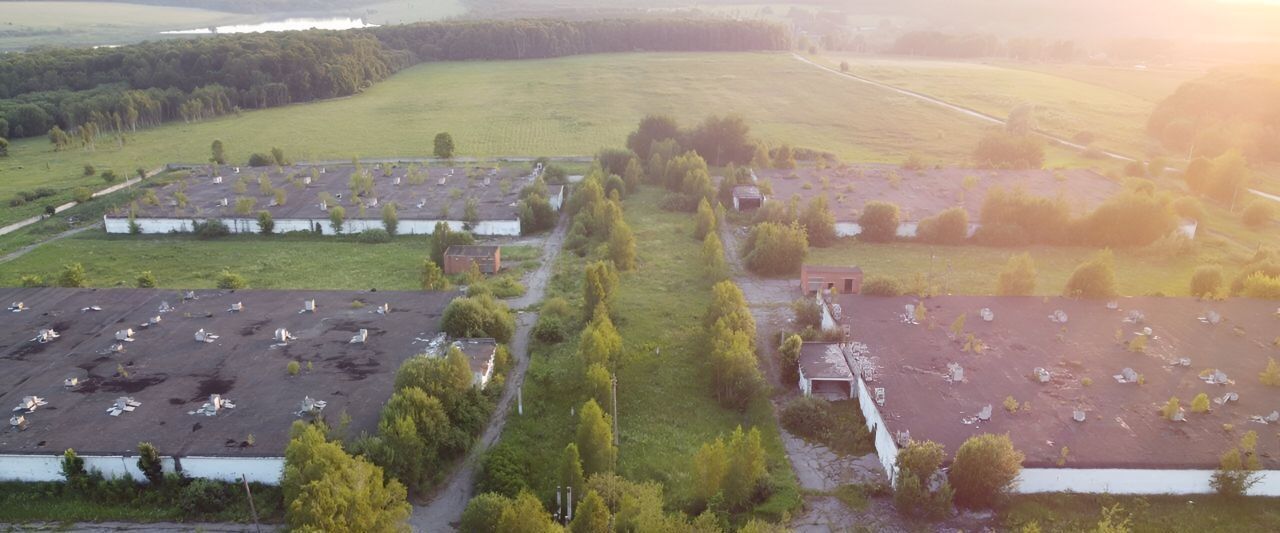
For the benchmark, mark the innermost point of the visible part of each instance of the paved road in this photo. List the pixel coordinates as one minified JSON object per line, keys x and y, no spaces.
{"x":444,"y":511}
{"x":973,"y":113}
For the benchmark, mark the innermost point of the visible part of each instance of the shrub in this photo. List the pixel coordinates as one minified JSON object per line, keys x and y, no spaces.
{"x":1095,"y":278}
{"x":210,"y":229}
{"x":789,"y":355}
{"x":483,"y":513}
{"x":82,"y":194}
{"x":1238,"y":468}
{"x":1128,"y":219}
{"x":1270,"y":376}
{"x":374,"y":236}
{"x":879,"y":222}
{"x":266,"y":225}
{"x":1259,"y":285}
{"x":917,"y":464}
{"x":808,"y":313}
{"x":881,"y":286}
{"x":775,"y":249}
{"x":337,"y":216}
{"x":109,"y":176}
{"x":1018,"y":277}
{"x":261,"y":160}
{"x":984,"y":470}
{"x":999,"y":149}
{"x":1188,"y":207}
{"x":293,"y":368}
{"x":146,"y":280}
{"x":1206,"y":281}
{"x":1200,"y":404}
{"x":1259,"y":213}
{"x":807,"y":417}
{"x":1037,"y":219}
{"x":73,"y":276}
{"x":948,"y":227}
{"x":89,"y":170}
{"x":502,"y":471}
{"x":149,"y":463}
{"x":203,"y":497}
{"x":229,"y":280}
{"x":479,"y":316}
{"x":32,"y":280}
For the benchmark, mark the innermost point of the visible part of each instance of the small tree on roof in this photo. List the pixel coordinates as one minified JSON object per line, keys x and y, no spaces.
{"x":1238,"y":468}
{"x":1171,"y":408}
{"x":1271,"y":376}
{"x":1200,"y":404}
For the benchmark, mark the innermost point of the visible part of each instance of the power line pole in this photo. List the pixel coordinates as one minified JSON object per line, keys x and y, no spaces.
{"x":252,"y":510}
{"x":614,"y":382}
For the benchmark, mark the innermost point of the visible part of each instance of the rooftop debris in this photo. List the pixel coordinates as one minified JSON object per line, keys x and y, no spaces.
{"x":17,"y":307}
{"x":359,"y":337}
{"x":123,"y":404}
{"x":30,"y":403}
{"x":203,"y":336}
{"x":45,"y":336}
{"x":236,"y":307}
{"x":91,"y":308}
{"x":212,"y":407}
{"x":311,"y":406}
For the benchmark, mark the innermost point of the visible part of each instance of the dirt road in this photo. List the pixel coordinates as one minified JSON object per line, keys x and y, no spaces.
{"x":445,"y":509}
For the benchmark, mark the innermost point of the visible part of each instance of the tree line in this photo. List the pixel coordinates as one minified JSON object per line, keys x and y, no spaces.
{"x":119,"y":89}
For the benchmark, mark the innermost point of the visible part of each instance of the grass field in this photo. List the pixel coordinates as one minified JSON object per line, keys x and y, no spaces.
{"x":565,"y":106}
{"x":974,"y":269}
{"x":1152,"y":85}
{"x":1064,"y":105}
{"x":24,"y":24}
{"x":1154,"y":514}
{"x":276,"y":262}
{"x":666,"y":410}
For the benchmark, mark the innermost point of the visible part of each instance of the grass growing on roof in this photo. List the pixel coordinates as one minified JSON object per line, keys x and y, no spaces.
{"x":291,"y":261}
{"x":666,"y":409}
{"x":1176,"y":514}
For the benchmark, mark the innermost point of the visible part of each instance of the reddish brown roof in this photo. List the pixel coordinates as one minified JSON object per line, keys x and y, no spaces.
{"x":471,"y":250}
{"x":1123,"y":428}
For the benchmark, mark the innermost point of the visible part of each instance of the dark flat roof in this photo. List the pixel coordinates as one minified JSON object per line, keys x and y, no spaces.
{"x":172,"y":374}
{"x":747,"y":191}
{"x":479,"y":352}
{"x":464,"y":182}
{"x":472,"y":250}
{"x":922,"y":193}
{"x":1123,"y":428}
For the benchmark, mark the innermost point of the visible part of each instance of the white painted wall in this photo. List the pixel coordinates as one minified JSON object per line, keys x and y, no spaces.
{"x":1131,"y":481}
{"x":245,"y":225}
{"x":886,"y":449}
{"x":852,"y":229}
{"x":32,"y":468}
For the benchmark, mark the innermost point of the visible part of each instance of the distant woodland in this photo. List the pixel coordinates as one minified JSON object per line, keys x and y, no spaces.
{"x":1236,"y":107}
{"x":72,"y":94}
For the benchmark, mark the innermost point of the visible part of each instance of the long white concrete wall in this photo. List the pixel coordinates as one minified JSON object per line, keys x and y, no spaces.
{"x":886,"y":449}
{"x":250,"y":225}
{"x":1131,"y":481}
{"x":32,"y":468}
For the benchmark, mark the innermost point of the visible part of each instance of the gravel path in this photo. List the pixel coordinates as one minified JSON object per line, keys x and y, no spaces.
{"x":445,"y":508}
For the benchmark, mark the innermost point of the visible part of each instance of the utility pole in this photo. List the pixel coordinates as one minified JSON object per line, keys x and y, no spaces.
{"x":520,"y":400}
{"x":252,"y":510}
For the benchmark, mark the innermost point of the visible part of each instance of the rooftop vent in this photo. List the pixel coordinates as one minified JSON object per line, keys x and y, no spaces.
{"x":215,"y":404}
{"x":1135,"y":316}
{"x":306,"y":180}
{"x":880,"y":396}
{"x":443,"y":179}
{"x":986,"y":314}
{"x":91,"y":308}
{"x":384,"y":309}
{"x":1078,"y":415}
{"x":396,"y":181}
{"x":1113,"y":305}
{"x":903,"y":438}
{"x":323,"y":170}
{"x":223,"y":202}
{"x":1185,"y":361}
{"x":217,"y":179}
{"x":123,"y":404}
{"x":308,"y":306}
{"x":17,"y":307}
{"x":1227,"y":398}
{"x":18,"y":421}
{"x":1211,"y":317}
{"x":1217,"y":377}
{"x":164,"y":308}
{"x":311,"y":406}
{"x":116,"y":348}
{"x":985,"y":413}
{"x":125,"y":335}
{"x":236,"y":170}
{"x":30,"y":403}
{"x":236,"y":307}
{"x":1042,"y":375}
{"x":71,"y":382}
{"x":422,"y":203}
{"x":955,"y":373}
{"x":360,"y":337}
{"x":324,"y":206}
{"x":189,"y":295}
{"x":1128,"y":375}
{"x":204,"y":336}
{"x":46,"y":336}
{"x":283,"y":336}
{"x":1058,"y":317}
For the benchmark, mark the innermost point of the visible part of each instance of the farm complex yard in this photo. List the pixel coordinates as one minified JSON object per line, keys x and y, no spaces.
{"x":565,"y":106}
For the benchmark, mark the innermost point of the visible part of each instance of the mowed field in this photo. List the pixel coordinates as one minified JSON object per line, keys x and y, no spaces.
{"x":1112,"y":104}
{"x":565,"y":106}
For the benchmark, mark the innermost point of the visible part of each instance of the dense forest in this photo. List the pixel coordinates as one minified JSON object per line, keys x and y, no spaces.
{"x":1236,"y":107}
{"x":121,"y":89}
{"x":256,"y":6}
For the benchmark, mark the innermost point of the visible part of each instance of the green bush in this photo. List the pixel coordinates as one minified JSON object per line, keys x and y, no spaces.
{"x":479,"y":316}
{"x":1206,"y":281}
{"x":502,"y":471}
{"x":1259,"y":213}
{"x":1095,"y":278}
{"x":230,"y":280}
{"x":807,"y":417}
{"x":266,"y":225}
{"x":146,"y":280}
{"x":73,"y":276}
{"x":881,"y":286}
{"x":261,"y":160}
{"x":984,"y":470}
{"x":374,"y":236}
{"x":209,"y":229}
{"x":879,"y":222}
{"x":109,"y":176}
{"x":948,"y":227}
{"x":774,"y":249}
{"x":483,"y":513}
{"x":999,"y":149}
{"x":82,"y":194}
{"x":204,"y":497}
